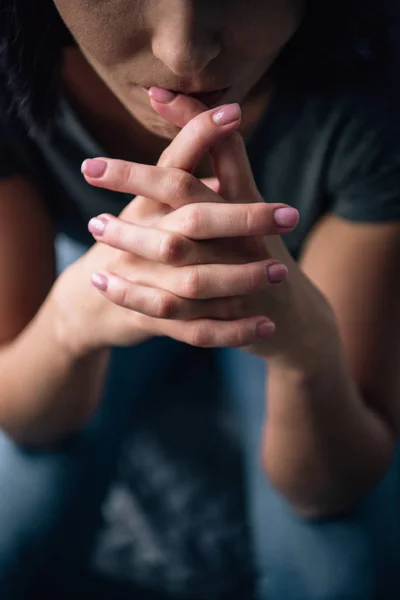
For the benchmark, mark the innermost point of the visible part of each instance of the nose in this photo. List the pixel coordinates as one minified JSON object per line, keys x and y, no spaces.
{"x":187,"y":39}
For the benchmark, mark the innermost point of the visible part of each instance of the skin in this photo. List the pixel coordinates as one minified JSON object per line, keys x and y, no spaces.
{"x":333,"y":413}
{"x":197,"y":46}
{"x":178,"y":45}
{"x":331,"y":431}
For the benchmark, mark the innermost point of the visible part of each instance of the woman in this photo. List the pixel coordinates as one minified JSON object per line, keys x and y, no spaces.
{"x":119,"y":462}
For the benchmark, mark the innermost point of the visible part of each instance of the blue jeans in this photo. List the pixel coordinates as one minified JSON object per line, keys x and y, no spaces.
{"x":46,"y":497}
{"x":356,"y":557}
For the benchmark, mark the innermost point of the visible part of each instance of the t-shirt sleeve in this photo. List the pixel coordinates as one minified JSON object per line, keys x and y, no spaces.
{"x":364,"y":173}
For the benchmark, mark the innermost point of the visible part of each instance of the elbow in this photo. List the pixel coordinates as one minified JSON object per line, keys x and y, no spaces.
{"x":332,"y":490}
{"x":43,"y":435}
{"x":318,"y":499}
{"x":325,"y":512}
{"x":37,"y":441}
{"x":318,"y":505}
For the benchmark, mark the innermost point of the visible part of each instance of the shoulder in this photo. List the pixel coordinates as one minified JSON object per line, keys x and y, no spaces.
{"x":353,"y":135}
{"x":363,"y":175}
{"x":345,"y":108}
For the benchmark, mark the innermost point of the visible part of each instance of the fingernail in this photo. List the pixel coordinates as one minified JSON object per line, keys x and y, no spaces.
{"x":161,"y":95}
{"x":277,"y":273}
{"x":100,"y":281}
{"x":93,"y":167}
{"x":265,"y":329}
{"x":227,"y":114}
{"x":286,"y":217}
{"x":97,"y":225}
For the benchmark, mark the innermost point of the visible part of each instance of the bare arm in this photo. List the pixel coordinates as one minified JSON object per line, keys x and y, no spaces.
{"x":46,"y":392}
{"x":53,"y":358}
{"x":334,"y":412}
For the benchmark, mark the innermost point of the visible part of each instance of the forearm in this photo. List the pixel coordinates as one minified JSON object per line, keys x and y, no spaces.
{"x":324,"y":447}
{"x":46,"y":391}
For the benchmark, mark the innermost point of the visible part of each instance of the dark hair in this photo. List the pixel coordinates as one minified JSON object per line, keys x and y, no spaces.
{"x":338,"y":41}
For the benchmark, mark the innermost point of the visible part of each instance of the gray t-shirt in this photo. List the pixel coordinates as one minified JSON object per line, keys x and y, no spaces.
{"x":174,"y":518}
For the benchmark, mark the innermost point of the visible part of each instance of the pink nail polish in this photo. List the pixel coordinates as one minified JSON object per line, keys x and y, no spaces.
{"x":97,"y":225}
{"x":276,"y":273}
{"x":100,"y":281}
{"x":227,"y":114}
{"x":265,"y":329}
{"x":286,"y":217}
{"x":94,"y":167}
{"x":161,"y":95}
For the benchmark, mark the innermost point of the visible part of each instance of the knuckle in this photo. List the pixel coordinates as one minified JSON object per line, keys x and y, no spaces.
{"x":172,"y":248}
{"x":256,"y":277}
{"x":191,"y":283}
{"x":192,"y":222}
{"x":119,"y":235}
{"x":251,"y":220}
{"x":119,"y":294}
{"x":125,"y":174}
{"x":258,"y":218}
{"x":238,"y":335}
{"x":201,"y":336}
{"x":164,"y":306}
{"x":199,"y":126}
{"x":162,"y":161}
{"x":262,"y":212}
{"x":180,"y":184}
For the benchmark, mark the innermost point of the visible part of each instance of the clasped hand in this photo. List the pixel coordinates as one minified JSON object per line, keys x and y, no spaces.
{"x":188,"y":258}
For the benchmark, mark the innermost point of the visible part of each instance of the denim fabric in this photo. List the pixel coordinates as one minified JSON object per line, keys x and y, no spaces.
{"x":351,"y":558}
{"x":48,"y":496}
{"x":50,"y":500}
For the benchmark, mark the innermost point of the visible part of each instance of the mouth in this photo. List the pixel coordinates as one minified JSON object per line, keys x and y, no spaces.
{"x":209,"y":99}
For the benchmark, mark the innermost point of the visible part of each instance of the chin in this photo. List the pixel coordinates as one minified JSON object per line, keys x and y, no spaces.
{"x":154,"y":124}
{"x":162,"y":129}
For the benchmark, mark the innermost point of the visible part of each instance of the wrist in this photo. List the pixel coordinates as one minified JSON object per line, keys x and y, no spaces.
{"x":71,"y":311}
{"x":313,"y":343}
{"x":307,"y":335}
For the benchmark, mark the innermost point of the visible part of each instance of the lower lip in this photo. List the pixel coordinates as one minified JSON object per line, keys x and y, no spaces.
{"x":211,"y":100}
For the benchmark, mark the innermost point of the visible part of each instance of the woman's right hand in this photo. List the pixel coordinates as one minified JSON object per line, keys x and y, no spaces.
{"x":163,"y":262}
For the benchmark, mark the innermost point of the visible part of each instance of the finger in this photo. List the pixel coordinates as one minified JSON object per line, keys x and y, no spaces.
{"x":149,"y":243}
{"x":197,"y":137}
{"x":233,"y":170}
{"x":166,"y":247}
{"x":230,"y":160}
{"x":169,"y":186}
{"x":161,"y":304}
{"x":178,"y":109}
{"x":212,"y":221}
{"x":152,"y":302}
{"x":201,"y":282}
{"x":209,"y":333}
